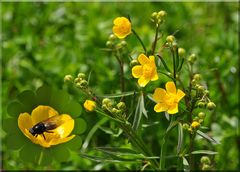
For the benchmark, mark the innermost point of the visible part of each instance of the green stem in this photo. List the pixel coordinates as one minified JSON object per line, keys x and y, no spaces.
{"x":139,"y":39}
{"x":155,"y":40}
{"x":40,"y":158}
{"x":174,"y":65}
{"x":122,"y":83}
{"x":191,"y":147}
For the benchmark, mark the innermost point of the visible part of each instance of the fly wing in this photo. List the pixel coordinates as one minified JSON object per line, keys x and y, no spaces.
{"x":52,"y":122}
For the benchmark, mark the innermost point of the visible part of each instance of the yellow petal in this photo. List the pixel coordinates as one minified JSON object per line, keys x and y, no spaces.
{"x":173,"y":109}
{"x":160,"y":107}
{"x":25,"y":123}
{"x":143,"y":59}
{"x":155,"y":76}
{"x":41,"y":113}
{"x":180,"y":94}
{"x":152,"y":59}
{"x":62,"y":140}
{"x":142,"y":81}
{"x":159,"y":95}
{"x":66,"y":128}
{"x":117,"y":31}
{"x":137,"y":71}
{"x":171,"y":88}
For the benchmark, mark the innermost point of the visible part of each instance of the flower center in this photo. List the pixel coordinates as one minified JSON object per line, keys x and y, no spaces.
{"x":147,"y":70}
{"x":171,"y":100}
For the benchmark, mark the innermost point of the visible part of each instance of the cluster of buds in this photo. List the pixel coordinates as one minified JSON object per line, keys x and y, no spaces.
{"x":117,"y":110}
{"x":193,"y":127}
{"x":115,"y":43}
{"x":206,"y":163}
{"x":79,"y":81}
{"x":158,"y":17}
{"x":192,"y":59}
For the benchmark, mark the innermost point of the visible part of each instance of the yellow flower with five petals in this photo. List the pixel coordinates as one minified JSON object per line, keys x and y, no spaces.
{"x":89,"y":105}
{"x":122,"y":27}
{"x":146,"y":71}
{"x":167,"y":100}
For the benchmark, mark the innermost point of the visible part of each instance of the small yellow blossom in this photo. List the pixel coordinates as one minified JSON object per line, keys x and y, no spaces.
{"x":122,"y":27}
{"x":55,"y":136}
{"x":167,"y":100}
{"x":89,"y":105}
{"x":146,"y":71}
{"x":195,"y":124}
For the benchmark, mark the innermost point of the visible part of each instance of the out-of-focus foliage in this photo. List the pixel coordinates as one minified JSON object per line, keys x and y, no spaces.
{"x":42,"y":42}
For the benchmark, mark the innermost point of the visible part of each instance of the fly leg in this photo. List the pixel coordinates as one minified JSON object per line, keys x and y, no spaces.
{"x":43,"y":136}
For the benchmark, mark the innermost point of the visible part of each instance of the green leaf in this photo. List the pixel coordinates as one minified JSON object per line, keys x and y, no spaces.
{"x":164,"y":64}
{"x":124,"y":151}
{"x":28,"y":99}
{"x":10,"y":125}
{"x":114,"y":133}
{"x":30,"y":152}
{"x":73,"y":108}
{"x":74,"y":144}
{"x":129,"y":93}
{"x":59,"y":100}
{"x":79,"y":126}
{"x":208,"y":152}
{"x":15,"y":108}
{"x":44,"y":95}
{"x":207,"y":137}
{"x":181,"y":64}
{"x":46,"y":156}
{"x":185,"y":164}
{"x":15,"y":141}
{"x":60,"y":153}
{"x":180,"y":138}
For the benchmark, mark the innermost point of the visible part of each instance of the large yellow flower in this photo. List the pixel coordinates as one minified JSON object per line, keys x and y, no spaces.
{"x":146,"y":71}
{"x":55,"y":136}
{"x":122,"y":27}
{"x":167,"y":100}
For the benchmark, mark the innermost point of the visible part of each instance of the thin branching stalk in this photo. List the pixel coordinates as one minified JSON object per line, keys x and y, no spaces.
{"x":155,"y":40}
{"x":122,"y":82}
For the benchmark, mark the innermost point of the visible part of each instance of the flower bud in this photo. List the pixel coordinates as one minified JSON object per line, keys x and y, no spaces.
{"x":121,"y":106}
{"x":201,"y":104}
{"x":170,"y":39}
{"x":154,"y":15}
{"x":200,"y":121}
{"x":192,"y":58}
{"x":196,"y":118}
{"x":195,"y":125}
{"x":106,"y":101}
{"x":162,"y":13}
{"x":134,"y":63}
{"x":112,"y":37}
{"x":81,"y":76}
{"x":78,"y":85}
{"x":185,"y":126}
{"x":211,"y":105}
{"x":114,"y":110}
{"x":104,"y":106}
{"x":181,"y":52}
{"x":206,"y":167}
{"x":83,"y":84}
{"x":174,"y":45}
{"x":89,"y":105}
{"x":68,"y":78}
{"x":123,"y":43}
{"x":205,"y":160}
{"x":194,"y":82}
{"x":197,"y":77}
{"x":200,"y":88}
{"x":206,"y":92}
{"x":77,"y":80}
{"x":201,"y":115}
{"x":109,"y":44}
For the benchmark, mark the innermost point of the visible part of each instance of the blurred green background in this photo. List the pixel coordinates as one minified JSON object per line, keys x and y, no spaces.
{"x":42,"y":42}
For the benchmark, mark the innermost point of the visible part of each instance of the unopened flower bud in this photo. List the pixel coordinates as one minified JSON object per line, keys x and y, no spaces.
{"x":200,"y":121}
{"x":68,"y":78}
{"x":123,"y":43}
{"x":81,"y":76}
{"x":114,"y":110}
{"x":77,"y":80}
{"x":211,"y":105}
{"x":185,"y":126}
{"x":174,"y":45}
{"x":121,"y":106}
{"x":201,"y":115}
{"x":201,"y":104}
{"x":83,"y":84}
{"x":192,"y":58}
{"x":133,"y":63}
{"x":78,"y":85}
{"x":106,"y":101}
{"x":154,"y":14}
{"x":194,"y":82}
{"x":206,"y":167}
{"x":195,"y":125}
{"x":170,"y":39}
{"x":205,"y":160}
{"x":181,"y":52}
{"x":200,"y":88}
{"x":109,"y":44}
{"x":104,"y":106}
{"x":162,"y":14}
{"x":197,"y":77}
{"x":112,"y":37}
{"x":206,"y":92}
{"x":196,"y":118}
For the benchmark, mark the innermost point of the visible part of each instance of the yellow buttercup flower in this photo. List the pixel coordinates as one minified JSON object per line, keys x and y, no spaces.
{"x":167,"y":100}
{"x":146,"y":71}
{"x":58,"y":135}
{"x":89,"y":105}
{"x":195,"y":124}
{"x":122,"y":27}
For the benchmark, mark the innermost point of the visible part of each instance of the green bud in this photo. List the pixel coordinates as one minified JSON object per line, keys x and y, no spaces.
{"x":134,"y":63}
{"x":83,"y":84}
{"x":211,"y":105}
{"x":205,"y":160}
{"x":121,"y":106}
{"x":112,"y":37}
{"x":194,"y":82}
{"x":77,"y":80}
{"x":192,"y":58}
{"x":123,"y":43}
{"x":196,"y":118}
{"x":197,"y":77}
{"x":81,"y":76}
{"x":170,"y":39}
{"x":206,"y":92}
{"x":154,"y":14}
{"x":200,"y":120}
{"x":185,"y":126}
{"x":201,"y":104}
{"x":206,"y":167}
{"x":200,"y":88}
{"x":78,"y":85}
{"x":104,"y":106}
{"x":181,"y":52}
{"x":109,"y":44}
{"x":201,"y":115}
{"x":175,"y":45}
{"x":114,"y":110}
{"x":106,"y":101}
{"x":68,"y":78}
{"x":162,"y":14}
